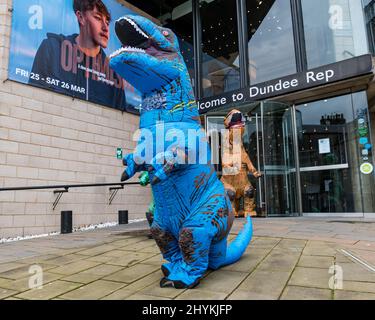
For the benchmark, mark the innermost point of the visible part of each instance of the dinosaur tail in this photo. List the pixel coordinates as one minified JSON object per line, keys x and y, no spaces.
{"x":238,"y":246}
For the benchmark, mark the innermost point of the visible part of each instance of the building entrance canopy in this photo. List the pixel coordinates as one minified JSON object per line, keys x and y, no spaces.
{"x":321,"y":76}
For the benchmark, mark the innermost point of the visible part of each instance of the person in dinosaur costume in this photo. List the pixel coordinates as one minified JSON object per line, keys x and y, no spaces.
{"x":193,"y":215}
{"x":236,"y":166}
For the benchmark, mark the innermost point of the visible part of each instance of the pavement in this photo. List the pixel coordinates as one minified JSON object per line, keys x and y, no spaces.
{"x":288,"y":259}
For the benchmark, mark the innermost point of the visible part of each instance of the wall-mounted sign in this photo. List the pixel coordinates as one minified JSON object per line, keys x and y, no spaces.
{"x":365,"y":152}
{"x":363,"y":141}
{"x":367,"y":168}
{"x":313,"y":78}
{"x":119,"y":153}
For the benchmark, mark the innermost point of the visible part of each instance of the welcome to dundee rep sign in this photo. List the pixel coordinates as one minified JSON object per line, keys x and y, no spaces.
{"x":305,"y":80}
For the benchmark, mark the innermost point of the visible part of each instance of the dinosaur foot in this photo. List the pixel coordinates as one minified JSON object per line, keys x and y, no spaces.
{"x":165,"y":271}
{"x":177,"y":284}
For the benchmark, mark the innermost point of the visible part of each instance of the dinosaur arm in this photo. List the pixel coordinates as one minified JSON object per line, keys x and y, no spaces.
{"x":132,"y":167}
{"x":171,"y":161}
{"x":250,"y":166}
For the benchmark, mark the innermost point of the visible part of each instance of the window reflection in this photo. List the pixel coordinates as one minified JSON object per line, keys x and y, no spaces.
{"x":220,"y":57}
{"x":334,"y":30}
{"x":369,"y":6}
{"x":271,"y":41}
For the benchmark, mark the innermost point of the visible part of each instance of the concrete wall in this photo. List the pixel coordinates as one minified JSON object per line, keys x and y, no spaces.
{"x":48,"y":138}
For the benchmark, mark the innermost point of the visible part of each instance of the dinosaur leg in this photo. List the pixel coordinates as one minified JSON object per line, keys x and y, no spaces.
{"x":210,"y":221}
{"x":231,"y":192}
{"x":168,"y":246}
{"x":249,"y":201}
{"x":150,"y":213}
{"x":217,"y":254}
{"x":195,"y":245}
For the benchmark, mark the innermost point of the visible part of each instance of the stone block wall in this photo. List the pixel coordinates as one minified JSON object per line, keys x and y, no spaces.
{"x":50,"y":139}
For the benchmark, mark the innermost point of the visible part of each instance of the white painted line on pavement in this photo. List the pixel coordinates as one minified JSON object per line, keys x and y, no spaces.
{"x":362,"y":262}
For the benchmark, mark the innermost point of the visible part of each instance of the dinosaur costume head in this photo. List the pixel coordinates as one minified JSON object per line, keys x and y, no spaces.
{"x":234,"y":121}
{"x":148,"y":52}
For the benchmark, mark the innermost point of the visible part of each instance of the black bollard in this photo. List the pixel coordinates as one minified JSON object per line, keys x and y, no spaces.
{"x":123,"y":217}
{"x":66,"y":222}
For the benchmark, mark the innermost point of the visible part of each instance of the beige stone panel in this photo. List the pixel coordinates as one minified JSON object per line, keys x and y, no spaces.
{"x":133,"y":273}
{"x":310,"y":277}
{"x":304,"y":293}
{"x":75,"y":267}
{"x":49,"y":291}
{"x":93,"y":291}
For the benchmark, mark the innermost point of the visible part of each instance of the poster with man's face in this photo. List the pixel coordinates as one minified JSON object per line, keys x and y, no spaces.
{"x":55,"y":48}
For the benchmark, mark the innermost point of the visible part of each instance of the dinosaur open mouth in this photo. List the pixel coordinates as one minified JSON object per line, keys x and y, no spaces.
{"x":134,"y":39}
{"x":131,"y":36}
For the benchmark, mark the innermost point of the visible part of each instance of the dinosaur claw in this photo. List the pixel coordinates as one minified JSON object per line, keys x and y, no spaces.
{"x":165,"y":283}
{"x":155,"y":180}
{"x":165,"y":271}
{"x":124,"y":176}
{"x":177,"y":284}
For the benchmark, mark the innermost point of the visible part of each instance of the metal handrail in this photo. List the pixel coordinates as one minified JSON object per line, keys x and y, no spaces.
{"x":69,"y":186}
{"x":65,"y":188}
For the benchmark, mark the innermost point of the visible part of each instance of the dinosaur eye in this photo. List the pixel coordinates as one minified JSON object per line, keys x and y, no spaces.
{"x":166,"y":33}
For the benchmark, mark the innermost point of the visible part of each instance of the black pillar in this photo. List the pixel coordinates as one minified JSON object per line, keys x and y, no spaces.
{"x":66,"y":222}
{"x":123,"y":217}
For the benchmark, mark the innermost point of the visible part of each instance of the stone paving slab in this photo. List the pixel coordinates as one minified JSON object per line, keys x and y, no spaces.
{"x":223,"y":281}
{"x":123,"y":263}
{"x":23,"y":272}
{"x":5,"y":293}
{"x":199,"y":294}
{"x":75,"y":267}
{"x":121,"y":294}
{"x":316,"y":262}
{"x":352,"y":295}
{"x":310,"y":277}
{"x":133,"y":273}
{"x":49,"y":291}
{"x":21,"y":285}
{"x":262,"y":285}
{"x":305,"y":293}
{"x":130,"y":258}
{"x":93,"y":291}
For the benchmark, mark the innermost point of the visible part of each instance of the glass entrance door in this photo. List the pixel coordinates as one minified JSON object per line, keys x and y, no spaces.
{"x":271,"y":125}
{"x":269,"y":142}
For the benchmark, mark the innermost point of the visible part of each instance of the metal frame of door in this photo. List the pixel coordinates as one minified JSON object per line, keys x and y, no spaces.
{"x":262,"y":185}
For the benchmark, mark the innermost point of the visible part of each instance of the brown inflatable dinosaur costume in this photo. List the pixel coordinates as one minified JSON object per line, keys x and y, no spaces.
{"x":236,"y":166}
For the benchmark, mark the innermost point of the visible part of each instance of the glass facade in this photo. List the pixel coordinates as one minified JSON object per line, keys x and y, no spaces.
{"x":269,"y":26}
{"x":311,"y":154}
{"x":281,"y":38}
{"x":181,"y":22}
{"x":334,"y":30}
{"x":220,"y":51}
{"x":228,"y":45}
{"x":330,"y":155}
{"x":369,"y":7}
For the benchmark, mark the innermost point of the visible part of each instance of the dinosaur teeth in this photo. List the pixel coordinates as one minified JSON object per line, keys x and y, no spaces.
{"x":126,"y":49}
{"x":135,"y":26}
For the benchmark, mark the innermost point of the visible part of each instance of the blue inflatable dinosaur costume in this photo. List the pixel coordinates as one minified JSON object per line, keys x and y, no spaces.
{"x":193,"y":215}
